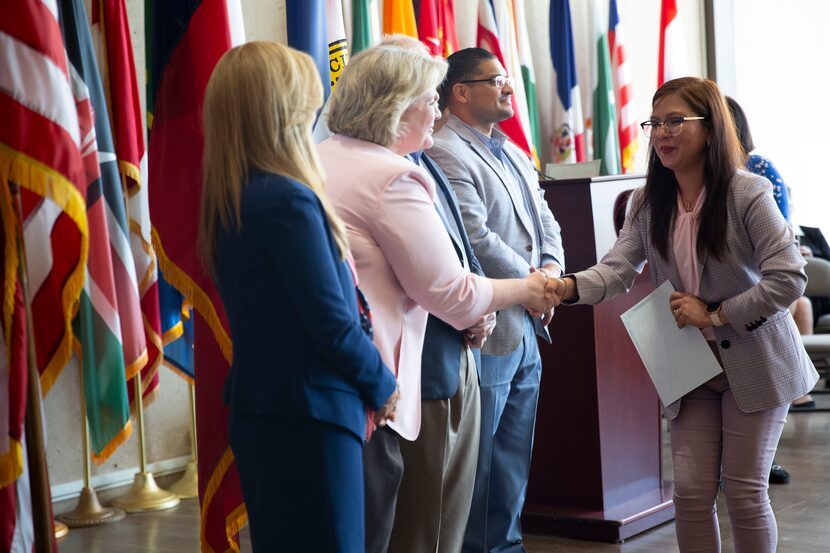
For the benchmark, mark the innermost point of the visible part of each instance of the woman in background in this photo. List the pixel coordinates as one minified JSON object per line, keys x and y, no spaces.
{"x":304,"y":368}
{"x":801,"y":308}
{"x":715,"y":232}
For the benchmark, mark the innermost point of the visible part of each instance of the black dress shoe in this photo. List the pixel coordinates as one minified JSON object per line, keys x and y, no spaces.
{"x":777,"y":475}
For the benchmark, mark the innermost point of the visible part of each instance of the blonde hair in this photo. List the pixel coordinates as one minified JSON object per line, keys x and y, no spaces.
{"x":260,"y":103}
{"x":377,"y":87}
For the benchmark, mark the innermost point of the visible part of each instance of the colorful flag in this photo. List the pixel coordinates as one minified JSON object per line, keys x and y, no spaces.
{"x":672,"y":61}
{"x":109,"y":307}
{"x":308,"y":32}
{"x":336,"y":36}
{"x":338,"y":58}
{"x":604,"y":112}
{"x":15,"y":515}
{"x":40,"y":144}
{"x":40,"y":158}
{"x":399,"y":18}
{"x":436,"y":27}
{"x":568,"y":127}
{"x":488,"y":38}
{"x":623,"y":90}
{"x":111,"y":32}
{"x":528,"y":78}
{"x":365,"y":25}
{"x":185,"y":40}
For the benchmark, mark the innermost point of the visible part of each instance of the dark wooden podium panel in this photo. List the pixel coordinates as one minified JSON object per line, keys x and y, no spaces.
{"x":596,"y":471}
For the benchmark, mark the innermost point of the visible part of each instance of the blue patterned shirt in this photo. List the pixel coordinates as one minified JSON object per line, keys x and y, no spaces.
{"x":764,"y":167}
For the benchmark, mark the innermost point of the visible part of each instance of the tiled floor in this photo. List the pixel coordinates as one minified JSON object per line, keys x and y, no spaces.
{"x":802,"y":508}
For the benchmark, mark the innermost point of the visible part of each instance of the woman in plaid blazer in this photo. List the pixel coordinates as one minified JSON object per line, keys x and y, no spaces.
{"x":715,"y":232}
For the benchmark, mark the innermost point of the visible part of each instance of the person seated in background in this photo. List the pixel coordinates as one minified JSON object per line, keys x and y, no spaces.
{"x":801,"y":309}
{"x":813,"y":244}
{"x":382,"y":111}
{"x":304,"y":368}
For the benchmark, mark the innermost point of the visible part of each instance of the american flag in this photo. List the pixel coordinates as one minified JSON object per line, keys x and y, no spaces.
{"x":40,"y":152}
{"x":626,"y":118}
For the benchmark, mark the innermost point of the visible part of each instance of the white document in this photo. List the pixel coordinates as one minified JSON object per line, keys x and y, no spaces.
{"x":678,"y":360}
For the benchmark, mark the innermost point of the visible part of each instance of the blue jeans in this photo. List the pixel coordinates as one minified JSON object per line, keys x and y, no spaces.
{"x":509,"y":395}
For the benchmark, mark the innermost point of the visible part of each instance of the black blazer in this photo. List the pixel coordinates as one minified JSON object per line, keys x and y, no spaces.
{"x":441,"y":356}
{"x":298,"y":347}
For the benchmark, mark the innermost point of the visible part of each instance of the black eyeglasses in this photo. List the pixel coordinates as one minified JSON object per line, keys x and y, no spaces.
{"x":672,"y":125}
{"x":499,"y":81}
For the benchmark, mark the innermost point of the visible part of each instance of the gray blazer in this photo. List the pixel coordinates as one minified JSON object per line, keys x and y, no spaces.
{"x":761,"y":274}
{"x":495,"y":218}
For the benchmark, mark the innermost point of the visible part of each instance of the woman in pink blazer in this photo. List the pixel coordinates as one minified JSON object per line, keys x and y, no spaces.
{"x":715,"y":232}
{"x":382,"y":111}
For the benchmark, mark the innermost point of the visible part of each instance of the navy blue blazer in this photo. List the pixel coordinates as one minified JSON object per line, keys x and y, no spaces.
{"x":298,"y":346}
{"x":441,"y":356}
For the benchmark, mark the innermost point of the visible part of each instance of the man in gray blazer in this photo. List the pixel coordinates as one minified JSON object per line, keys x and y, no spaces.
{"x":512,"y":231}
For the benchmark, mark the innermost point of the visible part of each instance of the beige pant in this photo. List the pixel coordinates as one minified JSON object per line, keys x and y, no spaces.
{"x":439,"y":471}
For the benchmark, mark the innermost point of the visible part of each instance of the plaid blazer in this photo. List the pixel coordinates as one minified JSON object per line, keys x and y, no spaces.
{"x":760,"y":275}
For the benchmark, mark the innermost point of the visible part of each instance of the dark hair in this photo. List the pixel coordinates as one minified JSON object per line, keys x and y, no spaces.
{"x":741,"y":125}
{"x":722,"y":156}
{"x":463,"y":65}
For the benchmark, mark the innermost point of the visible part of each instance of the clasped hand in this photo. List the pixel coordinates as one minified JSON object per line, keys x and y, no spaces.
{"x":388,"y":411}
{"x":689,"y":309}
{"x":545,"y":295}
{"x":476,"y":335}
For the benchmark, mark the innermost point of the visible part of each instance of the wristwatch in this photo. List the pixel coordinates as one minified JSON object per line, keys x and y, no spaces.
{"x":713,"y":309}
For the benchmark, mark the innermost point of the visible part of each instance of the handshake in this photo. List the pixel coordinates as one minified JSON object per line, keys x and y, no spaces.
{"x":545,"y":292}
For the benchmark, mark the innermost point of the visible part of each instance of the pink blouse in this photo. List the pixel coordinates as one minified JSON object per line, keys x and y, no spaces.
{"x":684,"y":246}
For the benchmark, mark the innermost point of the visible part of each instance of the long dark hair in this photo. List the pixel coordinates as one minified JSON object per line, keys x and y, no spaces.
{"x":722,"y":155}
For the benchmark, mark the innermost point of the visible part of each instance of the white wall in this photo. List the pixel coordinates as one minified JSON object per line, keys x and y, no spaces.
{"x":783,"y":84}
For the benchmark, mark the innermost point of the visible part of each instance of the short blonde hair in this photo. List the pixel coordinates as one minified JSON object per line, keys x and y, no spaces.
{"x":377,"y":87}
{"x":260,"y":103}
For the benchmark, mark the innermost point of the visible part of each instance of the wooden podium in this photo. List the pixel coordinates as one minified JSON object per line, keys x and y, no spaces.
{"x":596,"y":472}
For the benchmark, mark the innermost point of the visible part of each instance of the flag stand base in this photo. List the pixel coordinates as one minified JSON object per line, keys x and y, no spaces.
{"x":187,"y":487}
{"x":145,"y":495}
{"x":61,"y":530}
{"x":89,"y":512}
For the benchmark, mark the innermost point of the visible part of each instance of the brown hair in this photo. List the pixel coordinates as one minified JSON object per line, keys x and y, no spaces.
{"x":722,"y":158}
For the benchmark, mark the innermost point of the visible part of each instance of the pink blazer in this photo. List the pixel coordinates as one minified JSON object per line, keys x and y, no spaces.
{"x":405,"y":260}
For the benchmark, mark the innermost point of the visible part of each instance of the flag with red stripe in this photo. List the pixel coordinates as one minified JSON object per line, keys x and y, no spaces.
{"x":672,"y":61}
{"x":111,"y":31}
{"x":488,"y":38}
{"x":184,"y":41}
{"x":40,"y":150}
{"x":108,"y":326}
{"x":623,"y":90}
{"x":15,"y":515}
{"x":40,"y":158}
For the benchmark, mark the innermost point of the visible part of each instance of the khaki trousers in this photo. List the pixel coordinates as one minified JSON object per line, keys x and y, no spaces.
{"x":439,"y":471}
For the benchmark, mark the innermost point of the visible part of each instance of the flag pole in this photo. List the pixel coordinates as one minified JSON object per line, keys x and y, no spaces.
{"x":45,"y":531}
{"x":187,"y":487}
{"x":89,"y":511}
{"x":144,"y":494}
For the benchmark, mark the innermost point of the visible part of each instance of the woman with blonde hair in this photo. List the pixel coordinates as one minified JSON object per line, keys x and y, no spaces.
{"x":304,"y":369}
{"x":382,"y":114}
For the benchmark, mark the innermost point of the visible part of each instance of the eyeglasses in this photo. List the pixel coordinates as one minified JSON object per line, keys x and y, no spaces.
{"x":499,"y":81}
{"x":672,"y":125}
